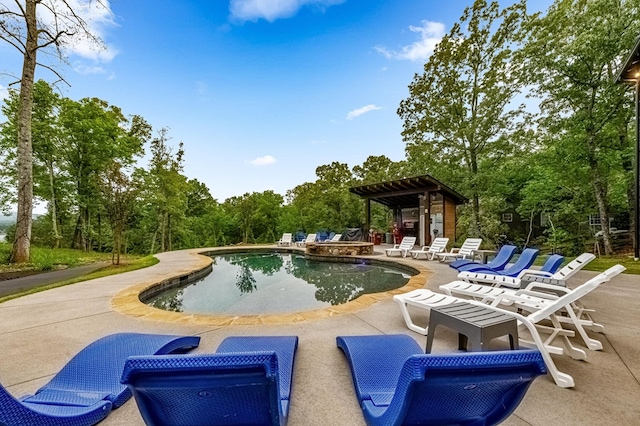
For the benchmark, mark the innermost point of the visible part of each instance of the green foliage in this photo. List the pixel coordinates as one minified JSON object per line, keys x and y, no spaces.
{"x":458,"y":122}
{"x":571,"y":57}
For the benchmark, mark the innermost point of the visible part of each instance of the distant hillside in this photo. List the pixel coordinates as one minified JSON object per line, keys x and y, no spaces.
{"x":11,"y":219}
{"x":7,"y":220}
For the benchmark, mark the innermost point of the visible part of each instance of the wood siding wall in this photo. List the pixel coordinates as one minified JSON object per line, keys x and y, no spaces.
{"x":449,"y":219}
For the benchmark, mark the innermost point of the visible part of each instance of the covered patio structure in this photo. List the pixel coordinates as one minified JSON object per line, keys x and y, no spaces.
{"x":422,"y":206}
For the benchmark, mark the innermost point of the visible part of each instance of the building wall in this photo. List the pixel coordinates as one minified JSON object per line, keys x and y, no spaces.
{"x":449,"y":219}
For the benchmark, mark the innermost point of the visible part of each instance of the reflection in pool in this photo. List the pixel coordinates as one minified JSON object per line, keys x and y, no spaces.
{"x":275,"y":283}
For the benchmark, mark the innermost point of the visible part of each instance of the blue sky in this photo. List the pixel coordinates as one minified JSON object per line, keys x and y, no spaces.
{"x":261,"y":92}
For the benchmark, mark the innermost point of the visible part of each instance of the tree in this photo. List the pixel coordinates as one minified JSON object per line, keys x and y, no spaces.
{"x":95,"y":134}
{"x":21,"y":27}
{"x":118,"y":197}
{"x":572,"y":57}
{"x":164,"y":191}
{"x":46,"y":147}
{"x":458,"y":119}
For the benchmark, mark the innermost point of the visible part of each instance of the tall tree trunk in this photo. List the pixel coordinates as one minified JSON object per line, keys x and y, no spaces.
{"x":21,"y":251}
{"x":53,"y":209}
{"x":169,"y":232}
{"x":163,"y":231}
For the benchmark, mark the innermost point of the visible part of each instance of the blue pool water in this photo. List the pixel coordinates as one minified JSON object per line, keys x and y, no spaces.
{"x":276,"y":283}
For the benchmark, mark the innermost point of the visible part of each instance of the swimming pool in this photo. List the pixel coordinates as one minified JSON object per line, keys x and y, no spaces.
{"x":276,"y":283}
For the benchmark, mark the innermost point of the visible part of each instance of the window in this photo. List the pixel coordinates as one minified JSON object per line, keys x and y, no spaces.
{"x":507,"y":217}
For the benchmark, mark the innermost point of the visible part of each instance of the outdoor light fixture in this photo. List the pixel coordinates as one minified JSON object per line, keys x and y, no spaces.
{"x":630,"y":73}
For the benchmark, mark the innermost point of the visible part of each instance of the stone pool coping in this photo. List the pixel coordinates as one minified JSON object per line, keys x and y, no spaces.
{"x":128,"y":302}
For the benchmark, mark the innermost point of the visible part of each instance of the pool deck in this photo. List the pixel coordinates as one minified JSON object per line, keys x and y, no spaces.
{"x":39,"y":333}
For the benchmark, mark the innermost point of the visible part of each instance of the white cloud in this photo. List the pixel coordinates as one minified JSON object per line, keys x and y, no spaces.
{"x":85,"y":69}
{"x":270,"y":10}
{"x":4,"y":93}
{"x":98,"y":17}
{"x":365,"y":109}
{"x":430,"y":35}
{"x":263,"y":161}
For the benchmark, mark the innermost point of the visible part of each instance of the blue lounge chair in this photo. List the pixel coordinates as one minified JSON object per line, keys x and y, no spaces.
{"x":88,"y":386}
{"x":498,"y":263}
{"x":322,"y":236}
{"x":396,"y":383}
{"x":246,"y":382}
{"x":526,"y":259}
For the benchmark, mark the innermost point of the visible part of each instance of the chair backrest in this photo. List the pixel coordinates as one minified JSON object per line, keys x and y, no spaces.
{"x":438,"y":245}
{"x":206,"y":389}
{"x":463,"y":388}
{"x":310,"y":238}
{"x":286,"y":237}
{"x":576,"y":293}
{"x":573,"y":267}
{"x":503,"y":257}
{"x":470,"y":245}
{"x":526,"y":259}
{"x":336,"y":238}
{"x":552,"y":263}
{"x":322,"y":235}
{"x":407,"y":242}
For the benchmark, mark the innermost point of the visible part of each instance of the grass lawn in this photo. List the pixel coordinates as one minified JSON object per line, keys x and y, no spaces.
{"x":46,"y":259}
{"x":604,"y":262}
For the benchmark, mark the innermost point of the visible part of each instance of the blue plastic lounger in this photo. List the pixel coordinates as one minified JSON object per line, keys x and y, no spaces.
{"x":526,"y":259}
{"x":246,"y":382}
{"x":88,"y":386}
{"x":498,"y":263}
{"x":396,"y":383}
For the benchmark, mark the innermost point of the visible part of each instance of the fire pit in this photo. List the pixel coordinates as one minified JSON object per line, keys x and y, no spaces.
{"x":340,"y":248}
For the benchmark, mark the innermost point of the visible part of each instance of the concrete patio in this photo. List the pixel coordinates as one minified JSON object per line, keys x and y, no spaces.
{"x":39,"y":333}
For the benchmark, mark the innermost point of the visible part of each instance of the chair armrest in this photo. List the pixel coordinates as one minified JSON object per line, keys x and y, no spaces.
{"x":531,"y":278}
{"x":534,"y":272}
{"x":549,"y":287}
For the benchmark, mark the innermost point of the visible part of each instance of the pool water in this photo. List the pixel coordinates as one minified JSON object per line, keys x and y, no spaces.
{"x":276,"y":283}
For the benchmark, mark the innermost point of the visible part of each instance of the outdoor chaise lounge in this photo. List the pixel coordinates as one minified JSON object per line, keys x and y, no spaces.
{"x":526,"y":259}
{"x":543,"y":275}
{"x":403,"y":248}
{"x":335,"y":238}
{"x":397,"y":383}
{"x":469,"y":246}
{"x":536,"y":307}
{"x":311,"y":238}
{"x":498,"y":263}
{"x":518,"y":269}
{"x":286,"y":240}
{"x":246,"y":382}
{"x":438,"y":245}
{"x":88,"y":386}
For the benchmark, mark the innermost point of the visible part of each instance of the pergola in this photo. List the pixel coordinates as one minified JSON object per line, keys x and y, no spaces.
{"x":421,"y":193}
{"x":630,"y":73}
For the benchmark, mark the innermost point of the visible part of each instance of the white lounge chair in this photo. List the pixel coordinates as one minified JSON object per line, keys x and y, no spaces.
{"x":286,"y":239}
{"x":469,"y":246}
{"x":403,"y":248}
{"x":438,"y":245}
{"x":540,"y":306}
{"x":335,"y":238}
{"x":550,"y":309}
{"x":528,"y":275}
{"x":310,"y":239}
